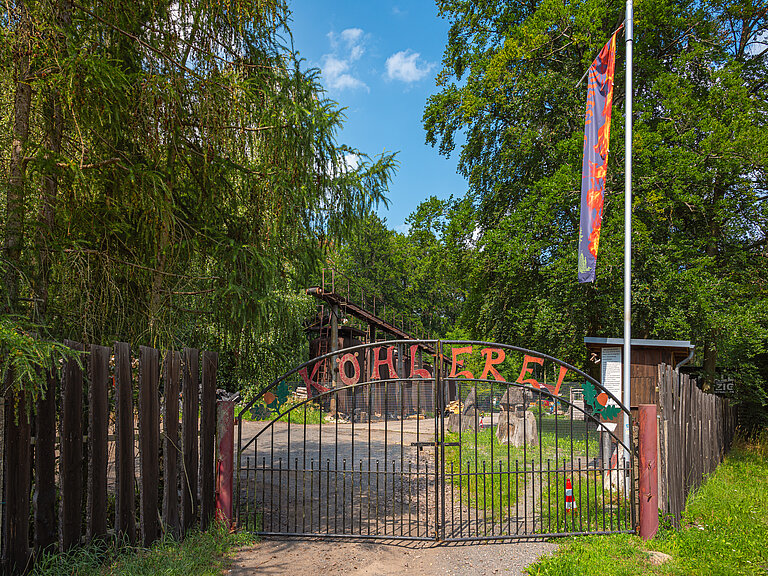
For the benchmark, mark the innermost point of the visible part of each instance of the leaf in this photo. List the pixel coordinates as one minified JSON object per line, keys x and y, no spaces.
{"x":609,"y":412}
{"x":590,"y":394}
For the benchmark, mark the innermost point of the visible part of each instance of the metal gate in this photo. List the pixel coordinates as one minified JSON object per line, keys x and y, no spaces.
{"x":427,"y":440}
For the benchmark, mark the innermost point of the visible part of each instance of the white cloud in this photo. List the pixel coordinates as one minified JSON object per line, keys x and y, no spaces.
{"x":336,"y":74}
{"x":407,"y":66}
{"x":351,"y":161}
{"x":348,"y":47}
{"x":353,"y":38}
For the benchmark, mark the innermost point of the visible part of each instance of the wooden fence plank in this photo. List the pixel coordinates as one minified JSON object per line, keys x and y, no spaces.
{"x":208,"y":438}
{"x":17,"y":459}
{"x":98,"y":420}
{"x":696,"y":428}
{"x":171,"y":369}
{"x":46,"y":535}
{"x":71,"y":460}
{"x":125,"y":514}
{"x":149,"y":442}
{"x":191,"y":402}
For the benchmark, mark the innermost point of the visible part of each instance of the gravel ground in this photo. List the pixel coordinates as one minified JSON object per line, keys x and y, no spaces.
{"x":331,"y":558}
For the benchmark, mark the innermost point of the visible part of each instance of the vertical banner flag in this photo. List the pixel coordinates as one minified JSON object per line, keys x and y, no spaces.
{"x":597,"y":133}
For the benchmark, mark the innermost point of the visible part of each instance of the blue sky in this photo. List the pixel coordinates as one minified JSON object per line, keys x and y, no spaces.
{"x":379,"y":61}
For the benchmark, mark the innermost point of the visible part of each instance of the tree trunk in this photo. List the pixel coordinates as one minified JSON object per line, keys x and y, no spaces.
{"x":15,"y":195}
{"x":53,"y":119}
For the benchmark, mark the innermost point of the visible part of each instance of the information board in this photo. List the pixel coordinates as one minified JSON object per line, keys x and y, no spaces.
{"x":610,"y":360}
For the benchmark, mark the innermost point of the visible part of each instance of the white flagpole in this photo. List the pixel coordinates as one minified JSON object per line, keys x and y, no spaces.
{"x":627,"y":399}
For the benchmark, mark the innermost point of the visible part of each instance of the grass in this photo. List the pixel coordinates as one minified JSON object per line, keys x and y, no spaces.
{"x":201,"y":553}
{"x":496,"y":491}
{"x":296,"y":415}
{"x":597,"y":509}
{"x":725,"y":530}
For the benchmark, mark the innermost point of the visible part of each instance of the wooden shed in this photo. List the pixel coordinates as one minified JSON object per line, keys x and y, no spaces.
{"x":646,"y":356}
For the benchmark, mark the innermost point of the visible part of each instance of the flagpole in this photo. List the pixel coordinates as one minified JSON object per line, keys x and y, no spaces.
{"x":627,"y":399}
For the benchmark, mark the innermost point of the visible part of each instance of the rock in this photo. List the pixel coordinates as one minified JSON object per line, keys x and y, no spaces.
{"x":517,"y":429}
{"x":462,"y":422}
{"x":658,"y":558}
{"x":513,"y":397}
{"x":471,"y":402}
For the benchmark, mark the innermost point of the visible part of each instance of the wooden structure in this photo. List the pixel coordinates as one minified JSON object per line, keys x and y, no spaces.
{"x":695,"y":431}
{"x":172,"y":496}
{"x":646,"y":357}
{"x":348,"y":317}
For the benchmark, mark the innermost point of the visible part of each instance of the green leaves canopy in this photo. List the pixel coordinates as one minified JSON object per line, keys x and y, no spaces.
{"x":184,"y":167}
{"x":508,"y":88}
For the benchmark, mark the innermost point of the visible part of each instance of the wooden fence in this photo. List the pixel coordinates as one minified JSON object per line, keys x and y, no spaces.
{"x":77,"y":454}
{"x":695,"y":431}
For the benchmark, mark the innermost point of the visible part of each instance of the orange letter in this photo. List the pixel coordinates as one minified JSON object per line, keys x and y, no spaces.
{"x":309,"y":380}
{"x":490,"y":361}
{"x":417,"y":372}
{"x":456,"y":362}
{"x":524,"y":372}
{"x":388,"y":362}
{"x":349,"y":357}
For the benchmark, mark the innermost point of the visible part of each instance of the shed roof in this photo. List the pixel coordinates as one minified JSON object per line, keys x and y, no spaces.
{"x":640,"y":342}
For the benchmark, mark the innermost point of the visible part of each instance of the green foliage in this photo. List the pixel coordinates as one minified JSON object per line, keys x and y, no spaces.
{"x":25,"y":361}
{"x":202,"y":553}
{"x":700,"y":175}
{"x":419,"y":275}
{"x":724,"y":531}
{"x":292,"y":412}
{"x":181,"y":177}
{"x":605,"y":411}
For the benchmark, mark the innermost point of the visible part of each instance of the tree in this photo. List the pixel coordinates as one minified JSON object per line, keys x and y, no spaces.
{"x":419,"y":275}
{"x":508,"y":83}
{"x":182,"y":169}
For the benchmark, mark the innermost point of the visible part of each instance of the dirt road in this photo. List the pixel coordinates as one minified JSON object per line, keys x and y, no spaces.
{"x":332,"y":558}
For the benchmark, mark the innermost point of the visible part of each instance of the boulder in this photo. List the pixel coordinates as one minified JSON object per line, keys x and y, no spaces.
{"x":513,"y":397}
{"x":470,"y":404}
{"x":517,"y":428}
{"x":463,"y":422}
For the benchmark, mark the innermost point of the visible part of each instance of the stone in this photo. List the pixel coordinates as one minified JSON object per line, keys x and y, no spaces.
{"x":658,"y":558}
{"x":517,"y":429}
{"x":471,"y":402}
{"x":463,"y":422}
{"x":513,"y":397}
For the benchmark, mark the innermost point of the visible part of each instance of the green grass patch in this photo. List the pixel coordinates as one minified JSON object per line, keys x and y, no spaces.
{"x":260,"y":412}
{"x":200,"y":553}
{"x":504,"y":482}
{"x":598,"y":509}
{"x":725,"y":530}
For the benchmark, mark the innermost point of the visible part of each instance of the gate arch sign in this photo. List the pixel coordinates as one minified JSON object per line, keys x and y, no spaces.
{"x":435,"y":440}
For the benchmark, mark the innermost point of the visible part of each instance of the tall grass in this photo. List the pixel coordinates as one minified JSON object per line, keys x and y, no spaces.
{"x":724,"y":529}
{"x":200,"y":553}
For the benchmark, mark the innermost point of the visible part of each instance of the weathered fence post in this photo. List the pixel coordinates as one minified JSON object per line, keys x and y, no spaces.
{"x":225,"y":435}
{"x":125,"y":476}
{"x":207,"y":438}
{"x":649,"y":486}
{"x":71,"y":452}
{"x":17,"y":438}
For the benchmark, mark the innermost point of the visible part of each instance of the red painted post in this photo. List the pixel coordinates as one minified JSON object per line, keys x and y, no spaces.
{"x":225,"y":434}
{"x":649,"y":480}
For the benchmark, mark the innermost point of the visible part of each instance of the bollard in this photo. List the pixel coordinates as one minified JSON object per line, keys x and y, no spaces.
{"x":649,"y":480}
{"x":225,"y":436}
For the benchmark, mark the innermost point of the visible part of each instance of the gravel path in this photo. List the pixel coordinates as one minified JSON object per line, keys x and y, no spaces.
{"x":331,"y":558}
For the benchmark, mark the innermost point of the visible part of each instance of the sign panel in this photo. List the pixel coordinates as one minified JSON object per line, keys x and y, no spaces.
{"x":610,"y":361}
